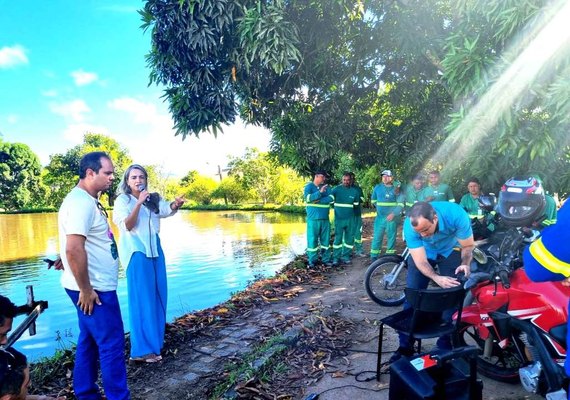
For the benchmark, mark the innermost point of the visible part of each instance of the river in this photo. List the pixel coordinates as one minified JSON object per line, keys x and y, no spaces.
{"x":209,"y":255}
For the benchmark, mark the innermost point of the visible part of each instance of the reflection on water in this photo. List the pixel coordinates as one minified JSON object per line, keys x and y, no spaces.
{"x":208,"y":254}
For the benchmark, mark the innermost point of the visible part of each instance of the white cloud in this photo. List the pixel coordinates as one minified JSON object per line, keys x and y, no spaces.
{"x":12,"y":56}
{"x":74,"y":110}
{"x":12,"y":119}
{"x":49,"y":93}
{"x":153,"y":140}
{"x":75,"y":132}
{"x":142,"y":113}
{"x":83,"y":78}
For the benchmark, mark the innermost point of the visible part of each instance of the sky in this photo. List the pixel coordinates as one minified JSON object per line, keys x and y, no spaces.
{"x":68,"y":67}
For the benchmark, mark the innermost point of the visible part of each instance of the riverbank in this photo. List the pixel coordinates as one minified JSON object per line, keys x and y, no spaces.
{"x":301,"y":332}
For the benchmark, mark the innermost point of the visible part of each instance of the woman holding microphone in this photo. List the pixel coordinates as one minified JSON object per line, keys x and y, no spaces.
{"x":137,"y":213}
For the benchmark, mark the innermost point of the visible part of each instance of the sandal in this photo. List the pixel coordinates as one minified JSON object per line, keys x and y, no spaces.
{"x":149,"y":359}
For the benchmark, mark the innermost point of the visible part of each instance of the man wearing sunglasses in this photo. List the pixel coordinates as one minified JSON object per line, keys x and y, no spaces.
{"x":90,"y":276}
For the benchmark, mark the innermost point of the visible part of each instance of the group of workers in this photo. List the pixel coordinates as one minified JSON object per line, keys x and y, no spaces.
{"x":390,"y":200}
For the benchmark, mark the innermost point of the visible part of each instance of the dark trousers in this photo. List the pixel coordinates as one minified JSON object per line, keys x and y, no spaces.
{"x":416,"y":280}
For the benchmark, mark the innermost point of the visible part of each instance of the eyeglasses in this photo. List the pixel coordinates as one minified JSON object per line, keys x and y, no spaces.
{"x":102,"y":210}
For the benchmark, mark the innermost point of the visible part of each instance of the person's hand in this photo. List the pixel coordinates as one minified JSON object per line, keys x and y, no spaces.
{"x":466,"y":269}
{"x":446,"y":282}
{"x":323,"y":188}
{"x":566,"y":282}
{"x":58,"y":264}
{"x":143,"y":196}
{"x":390,"y":217}
{"x":177,"y":203}
{"x":87,"y":299}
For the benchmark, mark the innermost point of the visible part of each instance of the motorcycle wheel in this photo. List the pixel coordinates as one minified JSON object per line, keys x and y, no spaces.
{"x":503,"y":364}
{"x":377,"y":289}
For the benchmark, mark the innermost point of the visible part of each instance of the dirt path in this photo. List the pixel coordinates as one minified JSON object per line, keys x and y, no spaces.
{"x":303,"y":332}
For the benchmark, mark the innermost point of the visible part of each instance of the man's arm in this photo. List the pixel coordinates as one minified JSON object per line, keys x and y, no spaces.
{"x":420,"y":259}
{"x":77,"y":260}
{"x":467,"y":246}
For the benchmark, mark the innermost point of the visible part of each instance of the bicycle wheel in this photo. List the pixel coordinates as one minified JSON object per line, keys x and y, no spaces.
{"x":380,"y":281}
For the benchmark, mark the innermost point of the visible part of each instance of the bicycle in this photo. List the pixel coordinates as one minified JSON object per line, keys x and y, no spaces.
{"x":385,"y":279}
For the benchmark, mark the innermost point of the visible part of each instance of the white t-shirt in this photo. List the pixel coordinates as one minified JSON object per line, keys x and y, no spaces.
{"x":143,"y":235}
{"x":79,"y":215}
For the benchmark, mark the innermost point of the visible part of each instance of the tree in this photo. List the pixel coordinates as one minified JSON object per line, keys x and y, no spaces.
{"x":63,"y":169}
{"x":231,"y":191}
{"x":201,"y":190}
{"x":512,"y":114}
{"x":287,"y":187}
{"x":255,"y":171}
{"x":20,"y":177}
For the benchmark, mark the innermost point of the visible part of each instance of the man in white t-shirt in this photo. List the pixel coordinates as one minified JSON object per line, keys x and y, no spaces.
{"x":90,"y":274}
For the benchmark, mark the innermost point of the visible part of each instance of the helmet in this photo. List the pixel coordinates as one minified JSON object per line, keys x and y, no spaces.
{"x":521,"y":201}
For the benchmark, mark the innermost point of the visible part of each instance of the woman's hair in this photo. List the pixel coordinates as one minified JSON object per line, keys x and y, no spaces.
{"x":12,"y":367}
{"x":123,"y":185}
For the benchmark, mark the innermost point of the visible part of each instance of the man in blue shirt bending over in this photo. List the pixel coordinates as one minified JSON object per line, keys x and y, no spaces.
{"x":437,"y":233}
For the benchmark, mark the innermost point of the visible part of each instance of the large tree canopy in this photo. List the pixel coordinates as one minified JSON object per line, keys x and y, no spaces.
{"x":20,"y":172}
{"x":403,"y":83}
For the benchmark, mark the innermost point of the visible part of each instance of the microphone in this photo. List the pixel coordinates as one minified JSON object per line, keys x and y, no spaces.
{"x":142,"y":187}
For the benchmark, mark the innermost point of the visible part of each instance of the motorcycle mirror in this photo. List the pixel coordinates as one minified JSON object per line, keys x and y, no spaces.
{"x":487,"y":202}
{"x":480,"y":256}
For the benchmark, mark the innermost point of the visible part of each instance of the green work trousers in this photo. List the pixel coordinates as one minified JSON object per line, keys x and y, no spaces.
{"x":381,"y":226}
{"x":318,"y":238}
{"x":357,"y":229}
{"x":343,"y":239}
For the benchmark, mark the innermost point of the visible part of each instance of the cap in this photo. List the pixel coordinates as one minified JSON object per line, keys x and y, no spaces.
{"x":321,"y":172}
{"x":386,"y":172}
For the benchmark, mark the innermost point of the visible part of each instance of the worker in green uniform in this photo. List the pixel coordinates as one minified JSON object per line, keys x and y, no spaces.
{"x":550,"y":211}
{"x":389,"y":203}
{"x":437,"y":191}
{"x":357,"y":225}
{"x":470,"y":201}
{"x":317,"y":196}
{"x":346,"y":197}
{"x":415,"y":191}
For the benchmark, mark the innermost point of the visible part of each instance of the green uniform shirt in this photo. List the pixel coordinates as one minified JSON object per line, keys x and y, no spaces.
{"x":345,"y":200}
{"x":550,"y":212}
{"x":318,"y":204}
{"x":413,"y":195}
{"x":358,"y":208}
{"x":471,"y":205}
{"x":387,"y":200}
{"x":441,"y":192}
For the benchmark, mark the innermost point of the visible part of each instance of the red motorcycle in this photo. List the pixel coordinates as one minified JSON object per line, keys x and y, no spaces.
{"x":518,"y":325}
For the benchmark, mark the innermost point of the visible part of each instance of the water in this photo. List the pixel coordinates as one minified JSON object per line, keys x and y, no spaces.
{"x":209,"y":255}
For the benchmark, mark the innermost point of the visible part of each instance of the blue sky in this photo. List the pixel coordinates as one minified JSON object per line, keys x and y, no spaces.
{"x":72,"y":66}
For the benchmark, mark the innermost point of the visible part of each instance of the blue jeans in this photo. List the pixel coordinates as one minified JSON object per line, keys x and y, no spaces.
{"x":101,"y":337}
{"x":417,"y":280}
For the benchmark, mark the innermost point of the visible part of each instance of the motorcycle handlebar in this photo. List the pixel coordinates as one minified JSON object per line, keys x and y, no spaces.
{"x":504,"y":277}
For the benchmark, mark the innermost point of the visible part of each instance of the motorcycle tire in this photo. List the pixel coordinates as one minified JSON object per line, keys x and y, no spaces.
{"x":502,"y":366}
{"x":374,"y":277}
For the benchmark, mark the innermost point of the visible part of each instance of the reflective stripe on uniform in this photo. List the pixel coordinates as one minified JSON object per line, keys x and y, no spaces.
{"x":547,"y":259}
{"x":477,"y":216}
{"x":318,"y":205}
{"x":548,"y":222}
{"x":325,"y":247}
{"x":337,"y":246}
{"x":312,"y":250}
{"x":343,"y":205}
{"x":374,"y":251}
{"x":347,"y":246}
{"x":394,"y":204}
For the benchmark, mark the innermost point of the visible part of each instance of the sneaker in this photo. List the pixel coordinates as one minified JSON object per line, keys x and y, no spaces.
{"x":346,"y":262}
{"x":399,"y":353}
{"x":359,"y":254}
